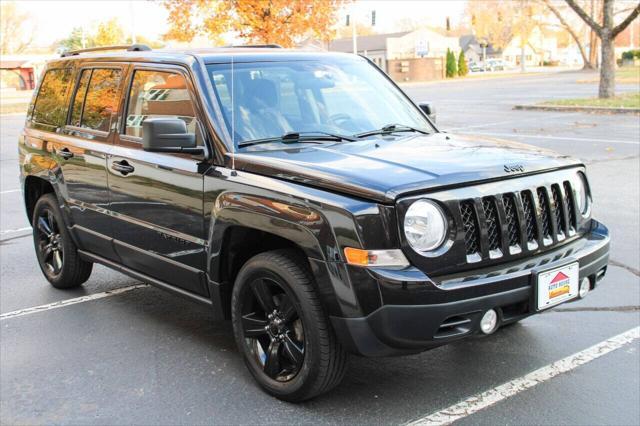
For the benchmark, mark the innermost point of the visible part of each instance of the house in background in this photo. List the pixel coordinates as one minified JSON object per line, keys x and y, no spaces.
{"x":540,"y":48}
{"x":629,"y":39}
{"x":421,"y":43}
{"x":417,"y":55}
{"x":17,"y":72}
{"x":472,"y":49}
{"x":373,"y":46}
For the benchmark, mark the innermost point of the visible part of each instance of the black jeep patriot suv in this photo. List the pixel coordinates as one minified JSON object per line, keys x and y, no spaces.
{"x":305,"y":197}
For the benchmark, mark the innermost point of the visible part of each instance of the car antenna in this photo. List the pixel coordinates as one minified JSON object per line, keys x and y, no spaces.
{"x":233,"y":122}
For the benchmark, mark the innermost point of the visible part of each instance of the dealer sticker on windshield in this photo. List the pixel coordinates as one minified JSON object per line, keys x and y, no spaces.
{"x":558,"y":285}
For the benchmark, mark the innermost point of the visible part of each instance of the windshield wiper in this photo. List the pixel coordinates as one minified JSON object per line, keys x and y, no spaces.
{"x":391,"y":128}
{"x":299,"y":137}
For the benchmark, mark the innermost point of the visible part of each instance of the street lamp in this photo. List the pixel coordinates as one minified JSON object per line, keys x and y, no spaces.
{"x":484,"y":43}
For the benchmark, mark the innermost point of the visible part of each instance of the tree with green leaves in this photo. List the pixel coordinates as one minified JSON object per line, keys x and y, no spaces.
{"x":74,"y":41}
{"x":462,"y":65}
{"x":451,"y":68}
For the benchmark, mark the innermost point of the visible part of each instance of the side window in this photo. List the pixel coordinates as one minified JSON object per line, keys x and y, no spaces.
{"x":101,"y":99}
{"x":50,"y":107}
{"x":78,"y":100}
{"x":158,"y":94}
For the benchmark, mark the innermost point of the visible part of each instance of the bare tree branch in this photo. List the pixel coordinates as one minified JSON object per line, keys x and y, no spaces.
{"x":570,"y":30}
{"x":585,"y":16}
{"x":622,"y":25}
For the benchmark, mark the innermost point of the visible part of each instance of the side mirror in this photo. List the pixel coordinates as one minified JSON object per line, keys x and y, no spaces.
{"x":429,"y":110}
{"x":168,"y":135}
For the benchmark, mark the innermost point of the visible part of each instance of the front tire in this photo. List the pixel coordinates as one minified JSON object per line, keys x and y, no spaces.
{"x":282,"y":330}
{"x":57,"y":254}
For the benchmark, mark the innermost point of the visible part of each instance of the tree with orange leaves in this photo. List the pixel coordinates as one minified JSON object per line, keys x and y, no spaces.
{"x":282,"y":22}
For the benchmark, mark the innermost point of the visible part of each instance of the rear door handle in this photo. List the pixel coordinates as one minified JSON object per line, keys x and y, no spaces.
{"x":122,"y":167}
{"x":65,"y":153}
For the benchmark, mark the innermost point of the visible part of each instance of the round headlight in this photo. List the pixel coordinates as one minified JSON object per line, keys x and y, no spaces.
{"x":425,"y":226}
{"x":581,"y":194}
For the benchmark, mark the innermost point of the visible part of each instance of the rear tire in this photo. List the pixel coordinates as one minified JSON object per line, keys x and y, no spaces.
{"x":57,"y":253}
{"x":276,"y":313}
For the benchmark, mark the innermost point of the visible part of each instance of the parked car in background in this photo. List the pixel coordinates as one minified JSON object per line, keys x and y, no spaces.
{"x":496,"y":65}
{"x":476,"y":67}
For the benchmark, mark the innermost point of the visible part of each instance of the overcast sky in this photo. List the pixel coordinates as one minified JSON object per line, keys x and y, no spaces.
{"x":55,"y":19}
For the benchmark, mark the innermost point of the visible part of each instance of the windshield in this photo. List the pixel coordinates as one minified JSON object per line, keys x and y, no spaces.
{"x":344,"y":97}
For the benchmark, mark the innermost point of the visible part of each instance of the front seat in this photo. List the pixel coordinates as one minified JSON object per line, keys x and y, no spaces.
{"x":262,"y":100}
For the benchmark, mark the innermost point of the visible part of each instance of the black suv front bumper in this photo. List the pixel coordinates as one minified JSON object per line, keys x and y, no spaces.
{"x":395,"y":329}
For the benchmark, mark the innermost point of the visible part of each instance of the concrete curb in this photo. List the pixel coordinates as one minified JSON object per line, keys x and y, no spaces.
{"x":587,"y":109}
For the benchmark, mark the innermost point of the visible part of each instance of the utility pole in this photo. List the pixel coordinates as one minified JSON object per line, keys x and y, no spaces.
{"x":132,"y":22}
{"x":523,"y":67}
{"x":354,"y":35}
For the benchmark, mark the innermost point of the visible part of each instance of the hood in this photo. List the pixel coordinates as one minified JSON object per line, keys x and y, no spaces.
{"x":385,"y":168}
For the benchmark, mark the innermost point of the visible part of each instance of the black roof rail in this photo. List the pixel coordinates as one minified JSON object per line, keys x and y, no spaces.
{"x":257,"y":46}
{"x":127,"y":47}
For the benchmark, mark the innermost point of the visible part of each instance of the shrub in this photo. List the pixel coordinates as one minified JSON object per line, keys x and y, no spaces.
{"x":451,"y":64}
{"x":631,"y":54}
{"x":462,"y":65}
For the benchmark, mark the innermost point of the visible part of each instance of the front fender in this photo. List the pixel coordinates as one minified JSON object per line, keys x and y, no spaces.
{"x":311,"y":219}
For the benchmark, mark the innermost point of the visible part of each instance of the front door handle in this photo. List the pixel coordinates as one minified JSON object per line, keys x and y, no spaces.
{"x":122,"y":167}
{"x":65,"y":153}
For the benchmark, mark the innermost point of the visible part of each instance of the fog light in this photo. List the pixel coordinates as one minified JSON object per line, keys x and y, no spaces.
{"x":585,"y":286}
{"x":489,"y":322}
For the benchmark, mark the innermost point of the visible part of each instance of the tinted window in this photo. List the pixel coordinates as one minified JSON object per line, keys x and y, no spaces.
{"x":158,"y":94}
{"x":50,"y":107}
{"x":78,"y":100}
{"x":101,"y":99}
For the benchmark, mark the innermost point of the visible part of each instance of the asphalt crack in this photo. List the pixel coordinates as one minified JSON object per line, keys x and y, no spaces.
{"x":17,"y":237}
{"x":628,"y":268}
{"x":606,"y":160}
{"x":631,"y":308}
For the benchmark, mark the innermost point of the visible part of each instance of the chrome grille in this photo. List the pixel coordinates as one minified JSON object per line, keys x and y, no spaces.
{"x":529,"y":216}
{"x":511,"y":214}
{"x":558,"y":209}
{"x":568,"y":200}
{"x":545,"y":218}
{"x":491,"y":217}
{"x":470,"y":225}
{"x":533,"y":218}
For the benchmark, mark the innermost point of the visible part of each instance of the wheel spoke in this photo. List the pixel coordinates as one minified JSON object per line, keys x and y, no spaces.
{"x":46,"y":252}
{"x":263,"y":294}
{"x":44,"y":227}
{"x":253,"y":326}
{"x":272,"y":363}
{"x":293,"y":351}
{"x":57,"y":261}
{"x":52,"y":221}
{"x":287,"y":309}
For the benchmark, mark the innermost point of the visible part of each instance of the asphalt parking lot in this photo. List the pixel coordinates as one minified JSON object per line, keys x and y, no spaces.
{"x":146,"y":357}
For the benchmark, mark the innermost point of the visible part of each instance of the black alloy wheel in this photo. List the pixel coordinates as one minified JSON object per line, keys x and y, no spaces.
{"x":272,"y":329}
{"x":282,"y":329}
{"x":49,"y":242}
{"x":57,"y":253}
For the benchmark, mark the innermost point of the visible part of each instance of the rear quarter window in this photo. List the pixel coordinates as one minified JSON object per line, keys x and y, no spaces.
{"x":50,"y":105}
{"x":101,"y":99}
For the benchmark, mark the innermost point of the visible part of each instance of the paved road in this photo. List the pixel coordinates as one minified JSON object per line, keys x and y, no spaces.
{"x":146,"y":357}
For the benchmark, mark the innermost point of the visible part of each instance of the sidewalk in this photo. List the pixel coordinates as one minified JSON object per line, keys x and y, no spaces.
{"x":14,"y":101}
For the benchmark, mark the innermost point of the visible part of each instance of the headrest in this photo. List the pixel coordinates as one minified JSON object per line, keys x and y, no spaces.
{"x":262,"y":91}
